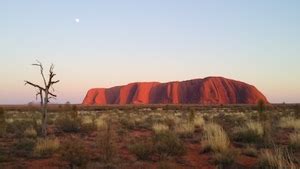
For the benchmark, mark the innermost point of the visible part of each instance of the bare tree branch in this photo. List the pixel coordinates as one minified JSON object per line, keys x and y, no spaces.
{"x":39,"y":64}
{"x":34,"y":85}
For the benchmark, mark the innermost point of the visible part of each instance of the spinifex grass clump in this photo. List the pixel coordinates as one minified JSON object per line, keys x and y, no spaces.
{"x":46,"y":147}
{"x":159,"y":127}
{"x":168,"y":144}
{"x":199,"y":121}
{"x":297,"y":111}
{"x":290,"y":122}
{"x":251,"y":132}
{"x":294,"y":141}
{"x":277,"y":159}
{"x":30,"y":132}
{"x":216,"y":140}
{"x":185,"y":129}
{"x":18,"y":127}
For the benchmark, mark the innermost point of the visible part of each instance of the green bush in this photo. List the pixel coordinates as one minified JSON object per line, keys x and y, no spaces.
{"x":18,"y":127}
{"x":168,"y":144}
{"x":88,"y":127}
{"x":128,"y":123}
{"x":143,"y":151}
{"x":69,"y":122}
{"x":24,"y":147}
{"x":225,"y":159}
{"x":74,"y":152}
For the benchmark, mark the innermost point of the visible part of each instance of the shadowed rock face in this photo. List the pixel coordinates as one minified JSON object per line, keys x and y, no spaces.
{"x":210,"y":90}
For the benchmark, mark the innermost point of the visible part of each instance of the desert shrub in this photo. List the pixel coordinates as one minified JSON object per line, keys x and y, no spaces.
{"x":106,"y":144}
{"x":225,"y":159}
{"x":24,"y":147}
{"x":251,"y":132}
{"x":88,"y":127}
{"x":143,"y":150}
{"x":128,"y":123}
{"x":168,"y":144}
{"x":159,"y":127}
{"x":289,"y":122}
{"x":297,"y":111}
{"x":2,"y":122}
{"x":88,"y":124}
{"x":171,"y":121}
{"x":185,"y":129}
{"x":199,"y":121}
{"x":277,"y":159}
{"x":250,"y":151}
{"x":46,"y":147}
{"x":191,"y":116}
{"x":294,"y":141}
{"x":17,"y":127}
{"x":74,"y":152}
{"x":101,"y":124}
{"x":30,"y":132}
{"x":215,"y":138}
{"x":69,"y":122}
{"x":261,"y":105}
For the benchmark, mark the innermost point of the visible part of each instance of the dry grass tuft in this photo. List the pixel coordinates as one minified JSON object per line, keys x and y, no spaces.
{"x":30,"y":133}
{"x":46,"y":147}
{"x":277,"y":159}
{"x":185,"y":129}
{"x":290,"y":122}
{"x":251,"y":132}
{"x":215,"y":138}
{"x":294,"y":141}
{"x":199,"y":121}
{"x":159,"y":127}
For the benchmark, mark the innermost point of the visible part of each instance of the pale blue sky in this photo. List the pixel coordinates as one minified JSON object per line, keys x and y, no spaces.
{"x":117,"y":42}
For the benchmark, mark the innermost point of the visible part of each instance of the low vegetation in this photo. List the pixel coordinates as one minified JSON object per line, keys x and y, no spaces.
{"x":167,"y":137}
{"x":252,"y":132}
{"x":46,"y":147}
{"x":215,"y":138}
{"x":277,"y":159}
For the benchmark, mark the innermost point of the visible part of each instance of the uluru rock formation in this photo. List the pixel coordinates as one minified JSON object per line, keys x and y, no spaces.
{"x":210,"y":90}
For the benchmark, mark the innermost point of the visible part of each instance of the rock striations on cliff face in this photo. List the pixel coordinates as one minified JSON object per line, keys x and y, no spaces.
{"x":210,"y":90}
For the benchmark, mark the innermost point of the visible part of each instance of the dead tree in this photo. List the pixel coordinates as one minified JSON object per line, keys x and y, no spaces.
{"x":44,"y":93}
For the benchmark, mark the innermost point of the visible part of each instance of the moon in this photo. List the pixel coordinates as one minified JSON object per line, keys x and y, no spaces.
{"x":77,"y":20}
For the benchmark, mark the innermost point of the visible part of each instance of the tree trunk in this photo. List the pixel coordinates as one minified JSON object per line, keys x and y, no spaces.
{"x":45,"y":115}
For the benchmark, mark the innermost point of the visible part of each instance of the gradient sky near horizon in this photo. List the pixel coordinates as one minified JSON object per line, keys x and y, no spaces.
{"x":117,"y":42}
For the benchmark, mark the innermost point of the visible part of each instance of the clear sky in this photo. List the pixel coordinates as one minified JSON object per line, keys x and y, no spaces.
{"x":117,"y":42}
